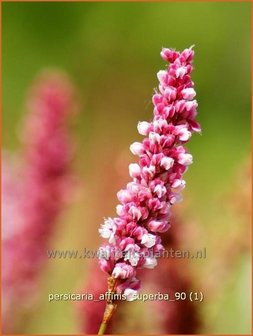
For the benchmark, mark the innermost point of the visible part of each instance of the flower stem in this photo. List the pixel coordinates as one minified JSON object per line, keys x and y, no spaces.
{"x":102,"y":328}
{"x":110,"y":305}
{"x":109,"y":310}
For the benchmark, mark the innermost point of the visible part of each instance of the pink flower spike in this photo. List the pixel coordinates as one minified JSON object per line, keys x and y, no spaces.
{"x":36,"y":193}
{"x":157,"y":177}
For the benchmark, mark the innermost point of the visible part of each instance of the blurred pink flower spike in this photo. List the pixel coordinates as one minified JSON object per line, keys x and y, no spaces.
{"x":157,"y":179}
{"x":35,"y":195}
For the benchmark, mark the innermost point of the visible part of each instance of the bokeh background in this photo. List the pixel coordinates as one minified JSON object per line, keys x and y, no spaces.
{"x":111,"y":53}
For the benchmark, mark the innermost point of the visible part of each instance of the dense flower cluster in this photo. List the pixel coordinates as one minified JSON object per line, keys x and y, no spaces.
{"x":144,"y":209}
{"x":177,"y":317}
{"x":34,"y":193}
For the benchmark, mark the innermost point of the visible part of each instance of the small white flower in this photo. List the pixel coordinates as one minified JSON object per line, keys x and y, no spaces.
{"x":134,"y":170}
{"x":120,"y":210}
{"x":162,"y":75}
{"x":133,"y":257}
{"x":132,"y":254}
{"x":181,"y":71}
{"x":130,"y":294}
{"x":185,"y":159}
{"x":137,"y":148}
{"x":184,"y":134}
{"x":116,"y":271}
{"x":188,"y":93}
{"x":170,"y":93}
{"x":133,"y":187}
{"x":160,"y":190}
{"x":135,"y":212}
{"x":192,"y":104}
{"x":150,"y":171}
{"x":160,"y":123}
{"x":167,"y":162}
{"x":124,"y":196}
{"x":178,"y":184}
{"x":108,"y":230}
{"x":154,"y":137}
{"x":150,"y":262}
{"x":143,"y":127}
{"x":148,"y":240}
{"x":123,"y":271}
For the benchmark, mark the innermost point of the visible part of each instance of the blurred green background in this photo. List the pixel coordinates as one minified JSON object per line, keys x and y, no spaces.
{"x":111,"y":51}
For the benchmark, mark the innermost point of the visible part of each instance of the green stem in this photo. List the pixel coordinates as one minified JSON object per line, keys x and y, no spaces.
{"x":109,"y":310}
{"x":102,"y":328}
{"x":110,"y":306}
